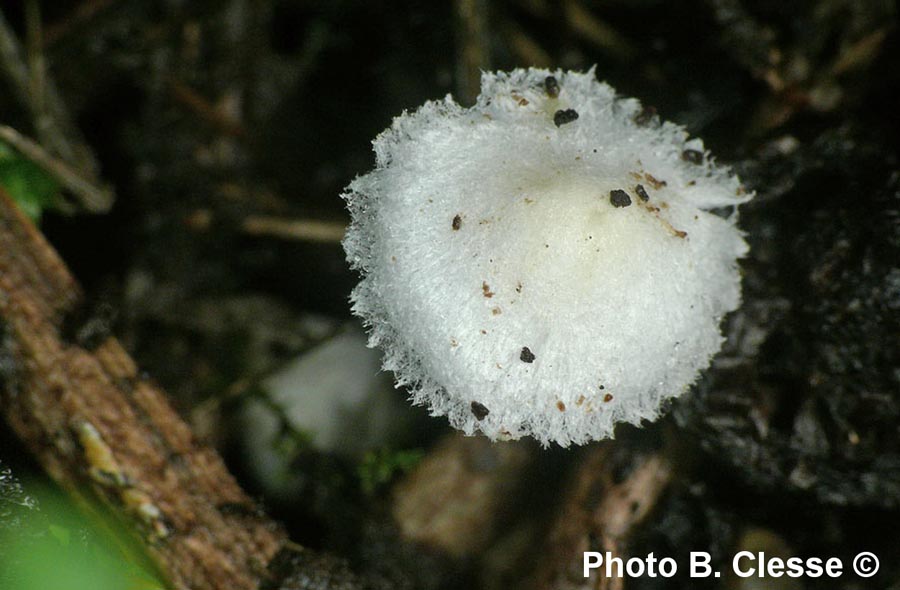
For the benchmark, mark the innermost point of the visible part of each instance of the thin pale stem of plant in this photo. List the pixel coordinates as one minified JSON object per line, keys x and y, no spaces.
{"x":307,"y":230}
{"x":92,"y":197}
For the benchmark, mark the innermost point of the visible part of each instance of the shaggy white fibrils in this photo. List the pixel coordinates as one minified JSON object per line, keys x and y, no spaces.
{"x":547,"y":262}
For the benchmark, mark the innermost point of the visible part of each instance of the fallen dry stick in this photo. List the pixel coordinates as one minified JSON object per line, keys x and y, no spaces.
{"x":110,"y":437}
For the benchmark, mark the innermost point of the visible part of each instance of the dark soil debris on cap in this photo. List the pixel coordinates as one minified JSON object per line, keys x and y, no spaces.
{"x":457,"y":223}
{"x":642,"y":193}
{"x":560,"y":406}
{"x":619,"y":198}
{"x":692,"y":156}
{"x":551,"y":86}
{"x":527,"y":356}
{"x":479,"y":411}
{"x":486,"y":290}
{"x":654,"y":182}
{"x":608,"y":398}
{"x":646,"y":116}
{"x":561,"y":117}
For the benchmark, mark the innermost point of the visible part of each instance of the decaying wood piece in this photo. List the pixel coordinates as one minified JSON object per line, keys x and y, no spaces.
{"x":599,"y":512}
{"x":100,"y":429}
{"x":455,"y":498}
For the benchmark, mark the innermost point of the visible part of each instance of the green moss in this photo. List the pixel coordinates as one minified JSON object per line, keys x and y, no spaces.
{"x":379,"y":467}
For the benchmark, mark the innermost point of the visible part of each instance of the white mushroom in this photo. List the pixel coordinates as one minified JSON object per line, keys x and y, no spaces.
{"x":547,"y":262}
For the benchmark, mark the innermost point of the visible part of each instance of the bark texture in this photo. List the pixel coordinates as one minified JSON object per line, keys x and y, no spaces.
{"x":108,"y":435}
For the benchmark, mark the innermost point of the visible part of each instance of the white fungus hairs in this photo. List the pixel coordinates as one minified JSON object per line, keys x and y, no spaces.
{"x":547,"y":262}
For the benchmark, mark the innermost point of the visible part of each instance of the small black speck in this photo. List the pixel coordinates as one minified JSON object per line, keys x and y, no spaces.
{"x":479,"y":411}
{"x":692,"y":156}
{"x":457,"y":222}
{"x":639,"y":189}
{"x":619,"y":198}
{"x":551,"y":86}
{"x":527,"y":356}
{"x":646,"y":116}
{"x":561,"y":117}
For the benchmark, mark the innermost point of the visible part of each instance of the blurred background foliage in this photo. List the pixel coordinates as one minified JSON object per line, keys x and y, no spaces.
{"x":46,"y":543}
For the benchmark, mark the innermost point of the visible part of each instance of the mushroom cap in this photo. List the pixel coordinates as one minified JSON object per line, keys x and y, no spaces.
{"x":548,"y":262}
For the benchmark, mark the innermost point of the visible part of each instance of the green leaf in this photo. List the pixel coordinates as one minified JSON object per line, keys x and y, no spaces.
{"x":61,"y":534}
{"x":57,"y":547}
{"x":28,"y":184}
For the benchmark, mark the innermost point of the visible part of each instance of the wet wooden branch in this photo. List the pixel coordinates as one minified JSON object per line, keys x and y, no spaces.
{"x":109,"y":436}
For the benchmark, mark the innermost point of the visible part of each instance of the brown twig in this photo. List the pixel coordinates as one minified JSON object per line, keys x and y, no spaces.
{"x":306,"y":230}
{"x":473,"y":51}
{"x":528,"y":51}
{"x":300,"y":230}
{"x":590,"y":28}
{"x":35,"y":48}
{"x":82,"y":14}
{"x":92,"y":197}
{"x":203,"y":108}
